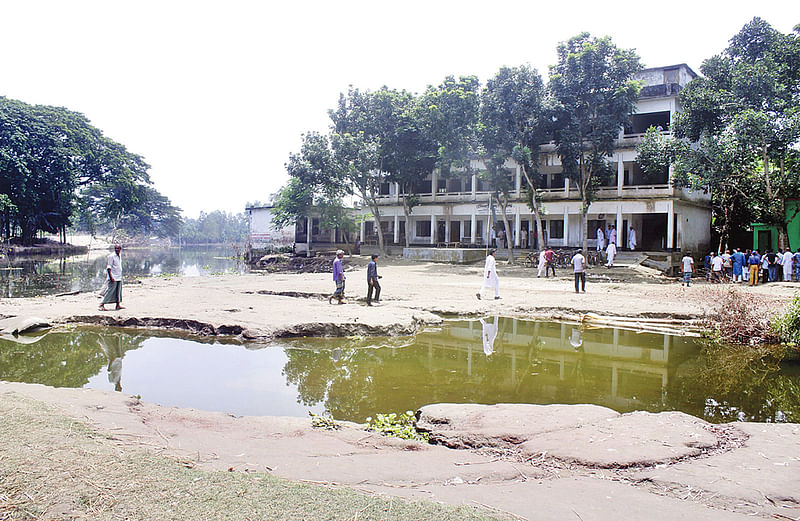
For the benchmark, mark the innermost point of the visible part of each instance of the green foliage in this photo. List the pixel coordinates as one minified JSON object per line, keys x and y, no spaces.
{"x":324,"y":421}
{"x":215,"y":228}
{"x":54,"y":165}
{"x":787,"y":325}
{"x":397,"y":425}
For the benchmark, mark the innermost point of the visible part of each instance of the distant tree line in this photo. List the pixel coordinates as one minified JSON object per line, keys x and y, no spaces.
{"x":57,"y":170}
{"x":737,"y":137}
{"x":215,"y":228}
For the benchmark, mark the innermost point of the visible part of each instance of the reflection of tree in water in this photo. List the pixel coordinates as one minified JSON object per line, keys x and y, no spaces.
{"x":62,"y":359}
{"x":739,"y":383}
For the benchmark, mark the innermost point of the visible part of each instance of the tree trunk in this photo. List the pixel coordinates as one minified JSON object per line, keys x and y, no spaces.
{"x":376,"y":216}
{"x":536,"y":214}
{"x":503,"y":204}
{"x":407,"y":213}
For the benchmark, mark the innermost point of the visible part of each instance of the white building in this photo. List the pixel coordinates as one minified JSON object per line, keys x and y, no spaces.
{"x":455,"y":211}
{"x":263,"y":234}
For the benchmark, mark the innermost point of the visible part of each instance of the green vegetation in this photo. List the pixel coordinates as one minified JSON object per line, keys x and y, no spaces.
{"x":787,"y":325}
{"x":215,"y":228}
{"x":56,"y":169}
{"x":397,"y":425}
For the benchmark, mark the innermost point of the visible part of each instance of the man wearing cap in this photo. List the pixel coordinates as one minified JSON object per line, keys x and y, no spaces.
{"x":372,"y":280}
{"x":114,"y":270}
{"x":490,"y":275}
{"x":338,"y":278}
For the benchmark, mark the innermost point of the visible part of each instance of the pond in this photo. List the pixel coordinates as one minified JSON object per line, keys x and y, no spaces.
{"x":491,"y":360}
{"x":48,"y":275}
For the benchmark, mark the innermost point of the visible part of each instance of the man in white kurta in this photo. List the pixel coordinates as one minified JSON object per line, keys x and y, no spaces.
{"x":611,"y":252}
{"x":114,"y":271}
{"x":601,"y":239}
{"x":542,"y":263}
{"x":632,"y":239}
{"x":788,"y":264}
{"x":490,"y":275}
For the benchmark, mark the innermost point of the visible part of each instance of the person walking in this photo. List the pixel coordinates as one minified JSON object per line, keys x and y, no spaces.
{"x":688,"y":268}
{"x":612,"y":235}
{"x":338,"y":278}
{"x":543,"y":264}
{"x":632,"y":239}
{"x":611,"y":252}
{"x":372,"y":280}
{"x":754,"y":262}
{"x":114,"y":288}
{"x":490,"y":275}
{"x":579,"y":269}
{"x":772,"y":266}
{"x":550,"y":257}
{"x":707,"y":265}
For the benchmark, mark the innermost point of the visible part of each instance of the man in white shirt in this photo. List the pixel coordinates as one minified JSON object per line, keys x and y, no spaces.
{"x":601,"y":239}
{"x":579,"y":269}
{"x":632,"y":239}
{"x":114,"y":270}
{"x":542,"y":263}
{"x":716,"y":268}
{"x":788,"y":264}
{"x":611,"y":252}
{"x":688,"y":268}
{"x":490,"y":275}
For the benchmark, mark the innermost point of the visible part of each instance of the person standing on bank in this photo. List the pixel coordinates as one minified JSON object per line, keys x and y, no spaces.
{"x":601,"y":239}
{"x":114,"y":270}
{"x":579,"y":269}
{"x":611,"y":252}
{"x":688,"y":268}
{"x":338,"y":278}
{"x":490,"y":275}
{"x":372,"y":280}
{"x":753,"y":263}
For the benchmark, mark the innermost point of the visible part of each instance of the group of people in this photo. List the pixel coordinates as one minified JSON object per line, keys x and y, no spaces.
{"x":610,"y":246}
{"x":748,"y":266}
{"x":373,"y":284}
{"x":546,"y":262}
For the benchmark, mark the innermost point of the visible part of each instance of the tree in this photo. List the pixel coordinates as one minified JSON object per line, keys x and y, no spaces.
{"x":593,"y":92}
{"x":750,"y":95}
{"x":515,"y":122}
{"x":501,"y":183}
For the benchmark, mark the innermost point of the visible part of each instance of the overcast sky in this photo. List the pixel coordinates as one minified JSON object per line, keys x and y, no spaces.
{"x":215,"y":95}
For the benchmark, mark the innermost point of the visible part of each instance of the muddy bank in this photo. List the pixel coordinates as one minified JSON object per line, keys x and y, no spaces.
{"x":263,"y":306}
{"x":534,"y":462}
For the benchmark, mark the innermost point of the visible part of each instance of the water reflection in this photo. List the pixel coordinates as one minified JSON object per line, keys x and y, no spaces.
{"x":483,"y":361}
{"x":32,"y":276}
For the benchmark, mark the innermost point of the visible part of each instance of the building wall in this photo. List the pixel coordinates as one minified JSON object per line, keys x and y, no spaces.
{"x":693,"y":228}
{"x":263,"y":233}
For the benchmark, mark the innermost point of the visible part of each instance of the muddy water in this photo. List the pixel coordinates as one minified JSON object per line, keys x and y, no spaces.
{"x":49,"y":275}
{"x":483,"y":361}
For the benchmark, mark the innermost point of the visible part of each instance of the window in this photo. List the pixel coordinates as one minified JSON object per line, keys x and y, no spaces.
{"x":384,"y":189}
{"x":423,"y":228}
{"x":315,"y":226}
{"x":671,"y":75}
{"x":557,"y":229}
{"x":479,"y":228}
{"x":466,"y":229}
{"x":641,"y":122}
{"x":442,"y":186}
{"x":557,"y":181}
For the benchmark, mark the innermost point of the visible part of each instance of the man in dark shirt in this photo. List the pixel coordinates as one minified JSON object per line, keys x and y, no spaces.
{"x":772,"y":268}
{"x":753,"y":262}
{"x":372,"y":280}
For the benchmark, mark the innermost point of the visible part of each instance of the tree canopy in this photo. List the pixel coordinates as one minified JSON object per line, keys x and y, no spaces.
{"x":55,"y":165}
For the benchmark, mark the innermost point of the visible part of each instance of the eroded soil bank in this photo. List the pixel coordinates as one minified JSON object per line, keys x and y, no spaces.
{"x":544,"y":463}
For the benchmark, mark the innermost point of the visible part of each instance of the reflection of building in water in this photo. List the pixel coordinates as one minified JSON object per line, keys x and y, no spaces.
{"x":618,"y":368}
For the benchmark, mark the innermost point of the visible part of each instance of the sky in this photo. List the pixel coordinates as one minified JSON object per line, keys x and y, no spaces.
{"x":216,"y":95}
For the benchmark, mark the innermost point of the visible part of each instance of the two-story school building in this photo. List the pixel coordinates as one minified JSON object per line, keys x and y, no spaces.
{"x":455,"y":211}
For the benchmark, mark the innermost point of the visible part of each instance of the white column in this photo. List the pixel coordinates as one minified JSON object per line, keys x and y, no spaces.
{"x":474,"y":185}
{"x":363,"y":229}
{"x":433,"y":229}
{"x":566,"y":226}
{"x":333,"y":235}
{"x":620,"y":174}
{"x":517,"y":181}
{"x":396,"y":193}
{"x":472,"y":228}
{"x":397,"y":229}
{"x":434,"y":183}
{"x":446,"y":228}
{"x":670,"y":220}
{"x":517,"y":225}
{"x":566,"y":185}
{"x":310,"y":226}
{"x":619,"y":226}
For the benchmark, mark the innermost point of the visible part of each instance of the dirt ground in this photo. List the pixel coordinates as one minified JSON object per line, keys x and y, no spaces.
{"x":668,"y":467}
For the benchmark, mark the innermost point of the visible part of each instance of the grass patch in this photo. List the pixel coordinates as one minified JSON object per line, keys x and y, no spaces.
{"x":52,"y":467}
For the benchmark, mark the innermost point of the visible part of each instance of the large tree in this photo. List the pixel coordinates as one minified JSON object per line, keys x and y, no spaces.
{"x":515,"y":122}
{"x":750,"y":94}
{"x":594,"y":93}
